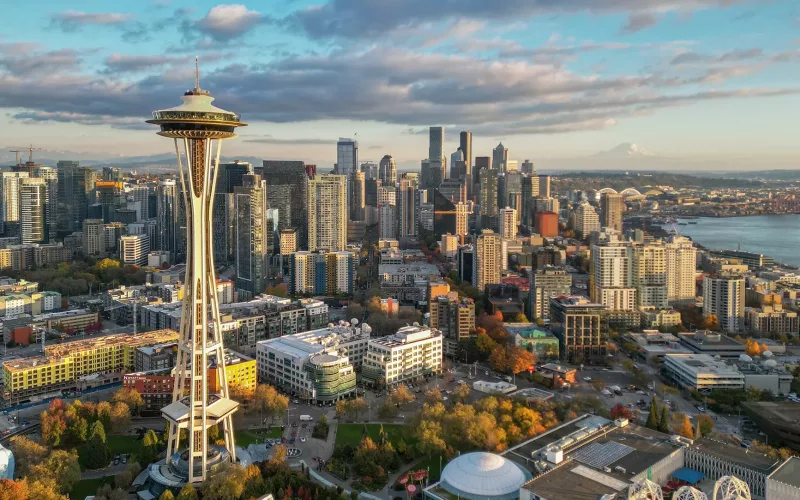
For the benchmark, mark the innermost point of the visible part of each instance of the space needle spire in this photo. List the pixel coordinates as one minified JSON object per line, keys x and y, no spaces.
{"x":197,"y":129}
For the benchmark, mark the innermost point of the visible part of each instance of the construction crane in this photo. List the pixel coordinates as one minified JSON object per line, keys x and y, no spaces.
{"x":17,"y":152}
{"x":30,"y":149}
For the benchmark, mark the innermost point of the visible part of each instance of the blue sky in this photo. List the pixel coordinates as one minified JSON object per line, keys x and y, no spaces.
{"x":550,"y":78}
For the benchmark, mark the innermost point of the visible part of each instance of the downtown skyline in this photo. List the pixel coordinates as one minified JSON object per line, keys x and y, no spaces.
{"x":549,"y":82}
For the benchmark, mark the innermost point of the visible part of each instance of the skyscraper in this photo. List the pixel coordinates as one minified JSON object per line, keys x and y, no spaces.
{"x":198,"y":128}
{"x":487,"y":259}
{"x":113,"y":174}
{"x":529,"y":189}
{"x":528,"y":168}
{"x":10,"y":210}
{"x":167,"y":216}
{"x":488,"y":198}
{"x":430,"y":175}
{"x":444,"y":214}
{"x":287,"y":190}
{"x":50,"y":177}
{"x":357,"y":196}
{"x":462,"y":221}
{"x":436,"y":143}
{"x":458,"y":167}
{"x":33,"y":211}
{"x":650,"y":275}
{"x":371,"y":187}
{"x":465,"y":143}
{"x":346,"y":156}
{"x":611,"y":273}
{"x":611,"y":211}
{"x":500,"y":157}
{"x":370,"y":170}
{"x":94,"y":237}
{"x":387,"y":171}
{"x":229,"y":175}
{"x":74,"y":184}
{"x":387,"y":221}
{"x":327,"y":213}
{"x":544,"y":186}
{"x":545,"y":284}
{"x":407,"y":207}
{"x":508,"y":223}
{"x":251,"y":249}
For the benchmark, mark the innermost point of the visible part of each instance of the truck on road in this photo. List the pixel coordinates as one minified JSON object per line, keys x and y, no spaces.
{"x":306,"y":418}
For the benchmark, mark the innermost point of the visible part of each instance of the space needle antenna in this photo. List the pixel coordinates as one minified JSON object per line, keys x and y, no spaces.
{"x":196,"y":72}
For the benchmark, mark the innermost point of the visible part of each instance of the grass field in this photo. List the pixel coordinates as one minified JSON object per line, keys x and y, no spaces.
{"x":86,"y":487}
{"x":351,"y":433}
{"x":123,"y":444}
{"x":246,"y":438}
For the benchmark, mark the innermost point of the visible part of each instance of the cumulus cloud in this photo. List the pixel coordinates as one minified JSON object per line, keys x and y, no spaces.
{"x":690,"y":57}
{"x":119,"y":63}
{"x":639,"y":21}
{"x":227,"y":22}
{"x":26,"y":62}
{"x":30,"y":117}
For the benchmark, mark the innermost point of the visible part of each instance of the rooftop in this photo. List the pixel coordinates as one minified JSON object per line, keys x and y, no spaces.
{"x":712,"y":340}
{"x":527,"y":330}
{"x":597,"y":466}
{"x":302,"y":345}
{"x":415,"y":268}
{"x":780,"y":413}
{"x":407,"y":335}
{"x":705,"y":364}
{"x":788,"y":472}
{"x":736,"y":454}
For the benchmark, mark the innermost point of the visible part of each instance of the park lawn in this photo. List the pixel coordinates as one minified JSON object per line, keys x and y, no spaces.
{"x":87,"y":487}
{"x":123,"y":443}
{"x":351,"y":434}
{"x":246,"y":438}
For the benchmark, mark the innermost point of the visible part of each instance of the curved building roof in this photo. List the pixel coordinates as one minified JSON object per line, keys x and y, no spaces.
{"x":483,"y":476}
{"x":6,"y":463}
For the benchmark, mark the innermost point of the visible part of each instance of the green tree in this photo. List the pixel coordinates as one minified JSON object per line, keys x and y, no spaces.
{"x":96,"y":453}
{"x":227,"y":486}
{"x":652,"y":417}
{"x":149,"y":447}
{"x":130,"y":397}
{"x":663,"y":424}
{"x":705,"y":424}
{"x":167,"y":495}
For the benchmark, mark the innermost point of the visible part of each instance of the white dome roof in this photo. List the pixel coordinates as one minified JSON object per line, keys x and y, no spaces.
{"x":483,"y":475}
{"x":6,"y":463}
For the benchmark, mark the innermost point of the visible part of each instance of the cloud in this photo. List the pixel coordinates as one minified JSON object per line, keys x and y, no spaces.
{"x":18,"y":48}
{"x":227,"y":22}
{"x":26,"y":63}
{"x":394,"y":85}
{"x":32,"y":117}
{"x":374,"y":19}
{"x":119,"y":63}
{"x":297,"y":142}
{"x":74,"y":20}
{"x":689,"y":57}
{"x":639,"y":21}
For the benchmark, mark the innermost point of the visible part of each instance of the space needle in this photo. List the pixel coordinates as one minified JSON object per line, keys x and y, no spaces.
{"x":197,"y":129}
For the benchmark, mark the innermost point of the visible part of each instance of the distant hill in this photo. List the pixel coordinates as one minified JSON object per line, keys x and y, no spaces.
{"x":639,"y":180}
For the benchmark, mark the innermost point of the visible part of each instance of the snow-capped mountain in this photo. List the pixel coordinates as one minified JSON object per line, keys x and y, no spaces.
{"x":625,"y":150}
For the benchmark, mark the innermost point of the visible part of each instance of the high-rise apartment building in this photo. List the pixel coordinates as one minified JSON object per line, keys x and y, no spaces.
{"x":576,"y":322}
{"x":650,"y":275}
{"x":488,"y":198}
{"x":508,"y":223}
{"x":611,"y":273}
{"x":322,"y":273}
{"x":487,"y":259}
{"x":681,"y":269}
{"x":251,"y":236}
{"x":327,"y":213}
{"x":133,"y":249}
{"x":547,"y":283}
{"x":452,"y":316}
{"x":611,"y":206}
{"x":287,"y":190}
{"x":462,"y":221}
{"x":387,"y":194}
{"x":94,"y":237}
{"x":412,"y":352}
{"x":346,"y":156}
{"x":10,"y":186}
{"x":544,"y":185}
{"x":387,"y":221}
{"x":370,"y":170}
{"x":288,"y":241}
{"x":500,"y":157}
{"x":387,"y":171}
{"x":529,"y":189}
{"x":407,"y":208}
{"x":357,"y":196}
{"x":723,"y":296}
{"x":33,"y":210}
{"x":586,"y":220}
